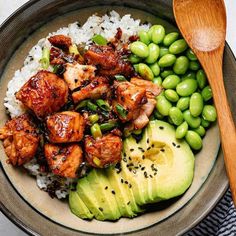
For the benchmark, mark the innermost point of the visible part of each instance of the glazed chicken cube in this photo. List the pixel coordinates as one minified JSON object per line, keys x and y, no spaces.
{"x":99,"y":87}
{"x":150,"y":87}
{"x":60,"y":41}
{"x":65,"y":127}
{"x":64,"y":160}
{"x":104,"y":151}
{"x":20,"y":140}
{"x":108,"y":60}
{"x":146,"y":110}
{"x":44,"y":93}
{"x":130,"y":98}
{"x":77,"y":75}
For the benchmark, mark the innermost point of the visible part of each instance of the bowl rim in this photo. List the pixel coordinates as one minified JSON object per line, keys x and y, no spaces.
{"x":8,"y":214}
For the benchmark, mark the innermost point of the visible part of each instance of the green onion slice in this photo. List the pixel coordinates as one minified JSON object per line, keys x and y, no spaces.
{"x":99,"y":39}
{"x":121,"y":110}
{"x":103,"y":105}
{"x":109,"y":125}
{"x":96,"y":131}
{"x":45,"y":60}
{"x":91,"y":106}
{"x":120,"y":78}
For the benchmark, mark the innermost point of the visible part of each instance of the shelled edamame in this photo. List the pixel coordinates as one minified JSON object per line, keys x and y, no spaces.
{"x":186,"y":102}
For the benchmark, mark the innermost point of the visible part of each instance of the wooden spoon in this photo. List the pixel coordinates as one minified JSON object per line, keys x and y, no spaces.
{"x":203,"y":25}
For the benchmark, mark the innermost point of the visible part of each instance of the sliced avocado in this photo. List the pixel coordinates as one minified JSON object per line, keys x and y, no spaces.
{"x":174,"y":160}
{"x":105,"y":194}
{"x":87,"y":195}
{"x":78,"y":207}
{"x":124,"y":198}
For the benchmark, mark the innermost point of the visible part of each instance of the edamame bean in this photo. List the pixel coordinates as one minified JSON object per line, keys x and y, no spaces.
{"x":170,"y":38}
{"x":181,"y":130}
{"x":178,"y":46}
{"x":209,"y":113}
{"x":163,"y":51}
{"x":171,"y":95}
{"x":194,"y":65}
{"x":194,"y":140}
{"x":201,"y":78}
{"x":189,"y":75}
{"x":163,"y":105}
{"x":190,"y":54}
{"x":205,"y":123}
{"x":135,"y":67}
{"x":155,"y":68}
{"x":144,"y":37}
{"x":145,"y":71}
{"x":176,"y":115}
{"x":193,"y":122}
{"x":167,"y":60}
{"x":186,"y":87}
{"x":134,"y":59}
{"x":166,"y":73}
{"x":206,"y":93}
{"x":183,"y":103}
{"x":200,"y":130}
{"x":153,"y":53}
{"x":158,"y":34}
{"x":181,"y":65}
{"x":196,"y":104}
{"x":140,"y":49}
{"x":157,"y":80}
{"x":171,"y":81}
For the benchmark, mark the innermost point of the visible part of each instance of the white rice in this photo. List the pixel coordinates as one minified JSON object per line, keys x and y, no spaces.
{"x":107,"y":27}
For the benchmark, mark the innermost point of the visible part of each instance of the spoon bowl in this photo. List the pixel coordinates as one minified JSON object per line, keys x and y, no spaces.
{"x":203,"y":25}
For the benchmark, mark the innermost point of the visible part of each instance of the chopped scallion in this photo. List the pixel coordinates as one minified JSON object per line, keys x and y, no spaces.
{"x":91,"y":106}
{"x":109,"y":125}
{"x":120,"y":78}
{"x":103,"y":105}
{"x":99,"y":39}
{"x":45,"y":60}
{"x":93,"y":118}
{"x":81,"y":104}
{"x":96,"y":131}
{"x":121,"y":110}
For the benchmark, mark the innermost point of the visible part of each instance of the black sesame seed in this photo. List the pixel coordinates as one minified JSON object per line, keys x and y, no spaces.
{"x":136,"y":167}
{"x":101,"y":209}
{"x":131,"y":149}
{"x":161,"y":127}
{"x":126,"y":182}
{"x":162,"y":150}
{"x":148,"y":148}
{"x":153,"y":145}
{"x":147,"y":140}
{"x":124,"y":159}
{"x":150,"y":176}
{"x":113,"y":192}
{"x":130,"y":169}
{"x":178,"y":146}
{"x":155,"y":173}
{"x":106,"y":187}
{"x":122,"y":181}
{"x":143,"y":157}
{"x":124,"y":154}
{"x":128,"y":202}
{"x":130,"y":158}
{"x":173,"y":144}
{"x":130,"y":186}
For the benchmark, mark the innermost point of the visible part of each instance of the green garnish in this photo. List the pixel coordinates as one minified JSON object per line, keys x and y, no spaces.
{"x":99,"y":39}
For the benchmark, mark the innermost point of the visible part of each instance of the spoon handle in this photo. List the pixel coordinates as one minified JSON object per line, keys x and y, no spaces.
{"x":213,"y":68}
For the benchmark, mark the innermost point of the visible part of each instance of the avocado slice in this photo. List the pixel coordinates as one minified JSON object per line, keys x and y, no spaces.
{"x":78,"y":207}
{"x":124,"y":197}
{"x":174,"y":160}
{"x":105,"y":194}
{"x":87,"y":195}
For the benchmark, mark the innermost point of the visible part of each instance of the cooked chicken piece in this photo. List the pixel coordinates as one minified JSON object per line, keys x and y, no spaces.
{"x":64,"y":160}
{"x":44,"y":93}
{"x":77,"y":75}
{"x":148,"y":85}
{"x":99,"y":87}
{"x":104,"y":151}
{"x":20,"y":140}
{"x":65,"y":127}
{"x":130,"y":97}
{"x":109,"y":61}
{"x":146,"y":110}
{"x":60,"y":41}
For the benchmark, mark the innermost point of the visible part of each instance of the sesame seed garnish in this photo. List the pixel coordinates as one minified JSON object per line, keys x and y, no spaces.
{"x":125,"y":154}
{"x":173,"y":144}
{"x":153,"y":145}
{"x":147,"y":140}
{"x":178,"y":146}
{"x":161,"y":127}
{"x":106,"y":187}
{"x":128,"y":202}
{"x":155,"y":173}
{"x":143,"y":168}
{"x":131,"y":149}
{"x":150,"y":176}
{"x":162,"y":150}
{"x":126,"y":182}
{"x":122,"y":181}
{"x":130,"y":158}
{"x":143,"y":157}
{"x":100,"y":208}
{"x":113,"y":192}
{"x":124,"y":159}
{"x":130,"y":186}
{"x":148,"y":148}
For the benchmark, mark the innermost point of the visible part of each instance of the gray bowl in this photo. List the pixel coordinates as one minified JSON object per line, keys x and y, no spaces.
{"x":33,"y":210}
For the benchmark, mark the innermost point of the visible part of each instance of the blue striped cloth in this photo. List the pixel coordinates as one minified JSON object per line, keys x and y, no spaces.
{"x":221,"y":221}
